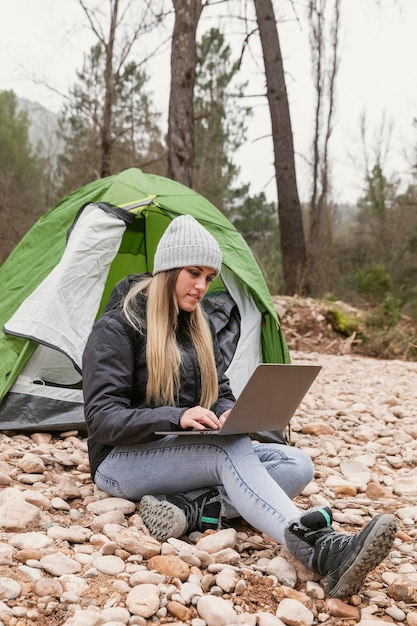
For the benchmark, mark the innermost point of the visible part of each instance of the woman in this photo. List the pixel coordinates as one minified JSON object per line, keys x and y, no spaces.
{"x":153,"y":364}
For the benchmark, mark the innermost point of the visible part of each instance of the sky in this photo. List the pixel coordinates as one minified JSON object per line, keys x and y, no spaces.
{"x":42,"y":43}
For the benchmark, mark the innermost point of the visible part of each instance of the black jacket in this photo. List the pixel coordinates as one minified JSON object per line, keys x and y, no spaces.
{"x":114,"y":384}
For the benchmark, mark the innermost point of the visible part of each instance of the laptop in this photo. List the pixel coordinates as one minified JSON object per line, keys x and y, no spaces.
{"x":267,"y":402}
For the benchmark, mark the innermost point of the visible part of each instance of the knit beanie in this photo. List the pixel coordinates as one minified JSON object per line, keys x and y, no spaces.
{"x":185,"y":242}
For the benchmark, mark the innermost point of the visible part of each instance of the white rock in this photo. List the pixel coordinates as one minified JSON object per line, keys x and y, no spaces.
{"x":189,"y":591}
{"x":37,"y":499}
{"x":72,"y":534}
{"x":406,"y":485}
{"x":216,"y":611}
{"x":110,"y":564}
{"x":9,"y":589}
{"x":84,"y":618}
{"x":145,"y":576}
{"x":132,"y":540}
{"x":30,"y":573}
{"x":115,"y":614}
{"x":60,"y":504}
{"x":58,"y":564}
{"x":408,"y":511}
{"x":294,"y":613}
{"x":220,"y":540}
{"x":284,"y":571}
{"x":16,"y":514}
{"x":5,"y":609}
{"x":111,"y":517}
{"x":267,"y":619}
{"x":143,"y":600}
{"x":74,"y":584}
{"x":6,"y":554}
{"x":314,"y":590}
{"x":247,"y":619}
{"x":227,"y":579}
{"x":371,"y":621}
{"x":396,"y":613}
{"x":32,"y":464}
{"x":30,"y":479}
{"x":227,"y":556}
{"x":111,"y":504}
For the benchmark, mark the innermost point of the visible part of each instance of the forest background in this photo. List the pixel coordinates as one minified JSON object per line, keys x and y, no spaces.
{"x":363,"y":252}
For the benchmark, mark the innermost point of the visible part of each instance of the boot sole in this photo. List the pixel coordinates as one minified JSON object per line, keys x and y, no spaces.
{"x":162,"y":518}
{"x":375,"y":548}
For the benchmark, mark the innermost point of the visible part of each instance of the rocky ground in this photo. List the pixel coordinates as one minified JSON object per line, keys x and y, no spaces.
{"x":69,"y":555}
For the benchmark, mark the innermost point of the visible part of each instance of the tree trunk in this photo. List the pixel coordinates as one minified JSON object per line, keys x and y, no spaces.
{"x":325,"y":67}
{"x":293,"y":248}
{"x":106,"y":130}
{"x":181,"y":110}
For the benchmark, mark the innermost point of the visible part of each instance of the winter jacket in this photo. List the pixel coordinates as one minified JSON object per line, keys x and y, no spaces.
{"x":114,"y":384}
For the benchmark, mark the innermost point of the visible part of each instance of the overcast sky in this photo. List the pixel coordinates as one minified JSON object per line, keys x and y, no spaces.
{"x":46,"y":39}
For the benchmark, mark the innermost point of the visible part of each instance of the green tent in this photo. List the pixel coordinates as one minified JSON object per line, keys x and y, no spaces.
{"x":59,"y":278}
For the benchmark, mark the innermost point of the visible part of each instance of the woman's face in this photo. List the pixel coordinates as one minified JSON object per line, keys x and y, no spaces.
{"x":192,"y":284}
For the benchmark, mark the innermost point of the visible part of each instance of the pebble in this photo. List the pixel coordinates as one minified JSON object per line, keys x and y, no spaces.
{"x":68,"y":548}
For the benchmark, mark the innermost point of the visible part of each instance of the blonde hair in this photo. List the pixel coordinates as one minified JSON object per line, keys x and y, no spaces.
{"x":163,"y":355}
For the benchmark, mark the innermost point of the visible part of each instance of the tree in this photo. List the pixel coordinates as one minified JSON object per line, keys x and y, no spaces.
{"x":21,"y":180}
{"x":325,"y":61}
{"x":257,"y":221}
{"x":181,"y":106}
{"x":293,"y":248}
{"x":219,"y":127}
{"x":108,"y":109}
{"x":134,"y":133}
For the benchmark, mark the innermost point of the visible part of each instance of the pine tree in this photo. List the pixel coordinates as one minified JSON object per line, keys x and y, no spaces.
{"x":21,"y":178}
{"x":219,"y":122}
{"x":135,"y":136}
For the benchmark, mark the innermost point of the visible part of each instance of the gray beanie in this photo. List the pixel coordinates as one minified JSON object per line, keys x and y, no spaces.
{"x":185,"y":242}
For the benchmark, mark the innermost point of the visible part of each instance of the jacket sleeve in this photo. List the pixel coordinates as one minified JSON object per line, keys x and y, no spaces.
{"x":226,"y":399}
{"x":108,"y":371}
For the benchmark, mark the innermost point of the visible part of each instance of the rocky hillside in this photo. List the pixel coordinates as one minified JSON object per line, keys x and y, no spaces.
{"x":43,"y":127}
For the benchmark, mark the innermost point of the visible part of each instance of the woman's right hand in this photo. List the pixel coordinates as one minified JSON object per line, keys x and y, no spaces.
{"x":199,"y":418}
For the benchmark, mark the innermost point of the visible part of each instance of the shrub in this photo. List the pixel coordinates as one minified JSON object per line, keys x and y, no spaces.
{"x":373,"y":281}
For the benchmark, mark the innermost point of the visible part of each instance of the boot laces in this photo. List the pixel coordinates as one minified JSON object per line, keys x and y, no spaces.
{"x":194,"y":513}
{"x":330,"y":551}
{"x":337,"y":539}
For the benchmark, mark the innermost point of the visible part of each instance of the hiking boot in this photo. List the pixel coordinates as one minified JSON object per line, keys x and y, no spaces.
{"x":175,"y":516}
{"x":342,"y":560}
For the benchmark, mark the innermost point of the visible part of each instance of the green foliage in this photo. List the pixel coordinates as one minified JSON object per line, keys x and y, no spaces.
{"x":219,"y":126}
{"x":410,"y":306}
{"x":16,"y":156}
{"x":387,"y":315}
{"x":373,"y":281}
{"x":257,"y":221}
{"x":376,"y":196}
{"x":21,"y":175}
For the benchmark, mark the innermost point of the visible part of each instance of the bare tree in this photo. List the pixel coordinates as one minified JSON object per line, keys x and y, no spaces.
{"x":181,"y":107}
{"x":325,"y":67}
{"x":122,"y":16}
{"x":289,"y":209}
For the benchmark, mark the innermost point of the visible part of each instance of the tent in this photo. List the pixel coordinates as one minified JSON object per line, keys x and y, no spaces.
{"x":59,"y":277}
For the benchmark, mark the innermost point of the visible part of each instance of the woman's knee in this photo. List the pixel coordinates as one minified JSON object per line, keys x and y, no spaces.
{"x":290,"y":467}
{"x":303,"y":462}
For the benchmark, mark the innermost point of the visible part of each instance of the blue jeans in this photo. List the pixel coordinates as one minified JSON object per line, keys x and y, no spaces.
{"x":257,"y":481}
